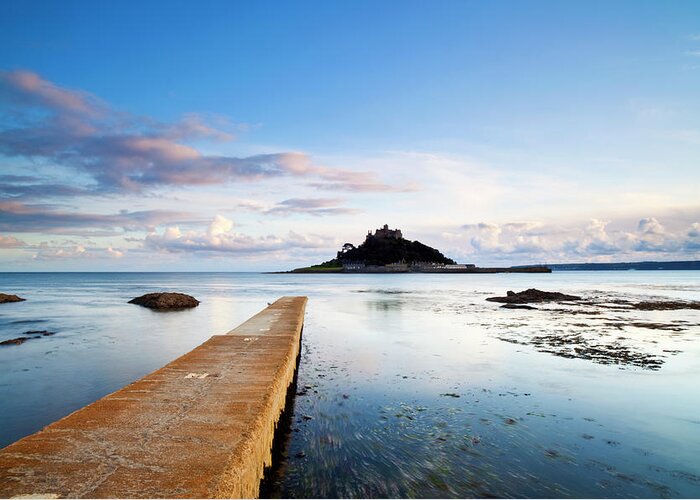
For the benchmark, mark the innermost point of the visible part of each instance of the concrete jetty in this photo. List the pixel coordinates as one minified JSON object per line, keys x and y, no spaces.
{"x":200,"y":427}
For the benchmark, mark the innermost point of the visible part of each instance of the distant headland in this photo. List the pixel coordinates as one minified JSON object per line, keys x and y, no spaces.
{"x":387,"y":251}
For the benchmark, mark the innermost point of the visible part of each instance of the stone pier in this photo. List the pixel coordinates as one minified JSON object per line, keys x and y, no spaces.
{"x":200,"y":427}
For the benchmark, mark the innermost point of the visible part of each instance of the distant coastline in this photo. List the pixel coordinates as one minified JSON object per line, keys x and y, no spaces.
{"x":677,"y":265}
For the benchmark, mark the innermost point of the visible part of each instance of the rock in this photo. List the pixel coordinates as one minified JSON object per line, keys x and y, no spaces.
{"x":17,"y":341}
{"x":164,"y":301}
{"x":44,"y":333}
{"x":532,"y":295}
{"x":517,"y":306}
{"x":4,"y":297}
{"x":665,"y":305}
{"x":450,"y":394}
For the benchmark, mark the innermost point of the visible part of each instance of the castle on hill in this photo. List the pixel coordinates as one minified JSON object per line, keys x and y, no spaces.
{"x":384,"y":233}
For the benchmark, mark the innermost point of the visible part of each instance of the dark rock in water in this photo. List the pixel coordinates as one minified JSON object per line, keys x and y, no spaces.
{"x":532,"y":295}
{"x":666,"y":305}
{"x":17,"y":341}
{"x":165,"y":301}
{"x":517,"y":306}
{"x":44,"y":333}
{"x":4,"y":297}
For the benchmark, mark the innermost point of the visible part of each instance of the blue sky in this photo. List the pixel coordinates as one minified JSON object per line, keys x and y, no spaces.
{"x":263,"y":135}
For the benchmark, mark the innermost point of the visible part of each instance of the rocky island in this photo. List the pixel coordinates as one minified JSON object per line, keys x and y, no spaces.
{"x":387,"y":251}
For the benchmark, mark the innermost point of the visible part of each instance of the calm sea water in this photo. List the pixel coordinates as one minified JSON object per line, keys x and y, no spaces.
{"x":409,"y":385}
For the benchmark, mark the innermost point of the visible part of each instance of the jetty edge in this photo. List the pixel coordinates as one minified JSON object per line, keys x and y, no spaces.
{"x":202,"y":426}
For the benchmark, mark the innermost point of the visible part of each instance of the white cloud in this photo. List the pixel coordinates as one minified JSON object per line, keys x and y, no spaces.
{"x":219,"y":237}
{"x":590,"y":240}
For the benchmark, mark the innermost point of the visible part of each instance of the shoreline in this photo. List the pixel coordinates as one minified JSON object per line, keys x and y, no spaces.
{"x":472,"y":270}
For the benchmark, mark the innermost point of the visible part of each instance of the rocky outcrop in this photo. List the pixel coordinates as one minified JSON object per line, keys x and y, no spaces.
{"x":165,"y":301}
{"x":672,"y":305}
{"x":17,"y":341}
{"x":532,"y":295}
{"x":517,"y":306}
{"x":4,"y":297}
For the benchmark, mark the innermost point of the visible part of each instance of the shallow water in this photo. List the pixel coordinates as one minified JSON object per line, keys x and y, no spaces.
{"x":409,"y":385}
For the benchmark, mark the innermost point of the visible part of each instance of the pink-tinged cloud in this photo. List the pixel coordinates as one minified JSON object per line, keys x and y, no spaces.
{"x":16,"y":217}
{"x":306,"y":206}
{"x":29,"y":89}
{"x":121,"y":152}
{"x":11,"y":242}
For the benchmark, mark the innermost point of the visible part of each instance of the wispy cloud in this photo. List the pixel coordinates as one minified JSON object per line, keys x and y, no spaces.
{"x":17,"y":217}
{"x":310,"y":206}
{"x":126,"y":153}
{"x":47,"y":252}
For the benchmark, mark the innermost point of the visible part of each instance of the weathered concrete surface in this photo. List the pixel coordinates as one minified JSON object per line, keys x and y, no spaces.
{"x":201,"y":426}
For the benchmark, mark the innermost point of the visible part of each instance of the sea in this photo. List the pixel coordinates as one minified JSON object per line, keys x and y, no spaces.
{"x":409,"y":385}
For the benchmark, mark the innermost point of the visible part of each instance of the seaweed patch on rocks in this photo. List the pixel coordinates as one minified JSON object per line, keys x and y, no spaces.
{"x":577,"y":346}
{"x":165,"y":301}
{"x":556,"y":327}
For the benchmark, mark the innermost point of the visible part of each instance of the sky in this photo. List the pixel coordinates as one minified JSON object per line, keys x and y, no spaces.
{"x":262,"y":135}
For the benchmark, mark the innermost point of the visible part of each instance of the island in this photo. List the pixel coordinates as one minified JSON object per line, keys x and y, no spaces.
{"x":387,"y":251}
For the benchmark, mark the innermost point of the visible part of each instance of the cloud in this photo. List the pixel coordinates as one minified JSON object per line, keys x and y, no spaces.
{"x":509,"y":238}
{"x":591,"y":240}
{"x":219,"y":237}
{"x":650,"y":226}
{"x":19,"y":190}
{"x":694,"y":231}
{"x":29,"y":89}
{"x":11,"y":242}
{"x":125,"y":153}
{"x":23,"y":218}
{"x":47,"y":252}
{"x":311,"y":206}
{"x":693,"y":53}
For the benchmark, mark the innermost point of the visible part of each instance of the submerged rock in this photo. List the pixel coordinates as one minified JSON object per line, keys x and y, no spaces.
{"x":532,"y":295}
{"x":671,"y":305}
{"x":17,"y":341}
{"x":44,"y":333}
{"x":4,"y":297}
{"x":164,"y":301}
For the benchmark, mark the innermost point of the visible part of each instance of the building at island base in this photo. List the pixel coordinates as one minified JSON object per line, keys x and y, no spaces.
{"x":402,"y":267}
